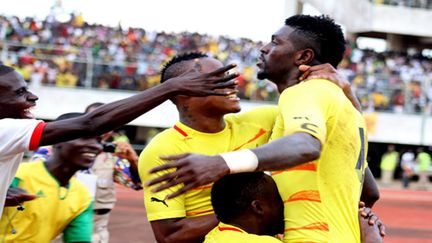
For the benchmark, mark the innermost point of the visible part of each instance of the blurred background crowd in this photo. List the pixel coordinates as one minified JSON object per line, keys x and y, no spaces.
{"x":76,"y":54}
{"x":427,"y":4}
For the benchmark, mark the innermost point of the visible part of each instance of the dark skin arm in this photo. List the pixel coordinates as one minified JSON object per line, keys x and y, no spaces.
{"x":16,"y":196}
{"x":370,"y":193}
{"x":194,"y":170}
{"x":113,"y":115}
{"x":188,"y":230}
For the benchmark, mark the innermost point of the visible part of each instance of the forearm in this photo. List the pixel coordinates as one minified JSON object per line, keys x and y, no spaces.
{"x":188,"y":229}
{"x":115,"y":114}
{"x":287,"y":152}
{"x":370,"y":193}
{"x":107,"y":117}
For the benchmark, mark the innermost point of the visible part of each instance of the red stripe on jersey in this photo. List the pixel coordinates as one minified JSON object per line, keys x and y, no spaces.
{"x":229,"y":228}
{"x":36,"y":136}
{"x":178,"y":129}
{"x":307,"y":195}
{"x":311,"y":166}
{"x":322,"y":226}
{"x":198,"y":212}
{"x":202,"y":187}
{"x":259,"y":134}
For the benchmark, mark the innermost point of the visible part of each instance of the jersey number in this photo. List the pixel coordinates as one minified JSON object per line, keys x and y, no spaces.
{"x":361,"y":158}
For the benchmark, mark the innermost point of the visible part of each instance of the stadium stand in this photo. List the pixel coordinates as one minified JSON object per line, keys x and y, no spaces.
{"x":76,"y":54}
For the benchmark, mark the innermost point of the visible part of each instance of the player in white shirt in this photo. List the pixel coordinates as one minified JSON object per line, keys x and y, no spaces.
{"x":20,"y":132}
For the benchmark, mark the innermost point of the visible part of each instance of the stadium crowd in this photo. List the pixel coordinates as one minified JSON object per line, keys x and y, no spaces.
{"x":76,"y":53}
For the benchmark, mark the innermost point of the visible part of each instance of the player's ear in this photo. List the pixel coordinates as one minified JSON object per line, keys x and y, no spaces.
{"x":256,"y":207}
{"x":304,"y":57}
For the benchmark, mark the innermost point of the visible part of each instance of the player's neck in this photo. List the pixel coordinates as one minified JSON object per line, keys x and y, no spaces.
{"x":60,"y":171}
{"x":203,"y":123}
{"x":247,"y":224}
{"x":287,"y":80}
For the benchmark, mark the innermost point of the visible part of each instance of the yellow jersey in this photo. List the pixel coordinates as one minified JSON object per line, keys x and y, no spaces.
{"x":245,"y":130}
{"x":321,"y":197}
{"x":225,"y":233}
{"x":56,"y":210}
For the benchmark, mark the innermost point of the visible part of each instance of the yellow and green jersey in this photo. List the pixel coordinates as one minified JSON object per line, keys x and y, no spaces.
{"x":246,"y":130}
{"x":321,"y":197}
{"x":225,"y":233}
{"x":56,"y":210}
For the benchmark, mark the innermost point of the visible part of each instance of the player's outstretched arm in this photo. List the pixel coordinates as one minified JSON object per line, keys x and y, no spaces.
{"x":194,"y":170}
{"x":183,"y":229}
{"x":112,"y":115}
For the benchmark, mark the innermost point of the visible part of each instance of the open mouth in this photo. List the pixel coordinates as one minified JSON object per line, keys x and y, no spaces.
{"x":26,"y":113}
{"x":260,"y":62}
{"x":89,"y":155}
{"x":233,"y":96}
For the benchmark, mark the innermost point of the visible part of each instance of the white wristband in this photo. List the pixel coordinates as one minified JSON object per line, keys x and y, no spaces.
{"x":241,"y":161}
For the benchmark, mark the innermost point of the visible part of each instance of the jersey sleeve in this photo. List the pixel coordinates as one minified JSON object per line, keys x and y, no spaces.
{"x":306,"y":108}
{"x":15,"y":183}
{"x":264,"y":116}
{"x":157,"y":207}
{"x":80,"y":229}
{"x":20,"y":135}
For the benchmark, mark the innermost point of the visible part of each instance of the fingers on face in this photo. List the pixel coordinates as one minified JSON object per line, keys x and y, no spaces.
{"x":222,"y":69}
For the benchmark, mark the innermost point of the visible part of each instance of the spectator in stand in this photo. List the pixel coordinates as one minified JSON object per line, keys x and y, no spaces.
{"x":424,"y":167}
{"x":389,"y":161}
{"x":124,"y":58}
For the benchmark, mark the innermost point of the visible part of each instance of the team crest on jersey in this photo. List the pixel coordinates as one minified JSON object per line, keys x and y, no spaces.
{"x":40,"y":193}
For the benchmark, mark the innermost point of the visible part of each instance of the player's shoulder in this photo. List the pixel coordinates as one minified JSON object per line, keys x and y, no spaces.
{"x":17,"y":123}
{"x":27,"y":169}
{"x":253,"y":115}
{"x":164,"y":143}
{"x":81,"y":191}
{"x":163,"y":138}
{"x":316,"y":89}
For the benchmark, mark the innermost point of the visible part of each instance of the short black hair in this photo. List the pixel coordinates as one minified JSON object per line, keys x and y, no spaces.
{"x":5,"y":69}
{"x":69,"y":115}
{"x":321,"y":34}
{"x":171,"y":70}
{"x":232,"y":195}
